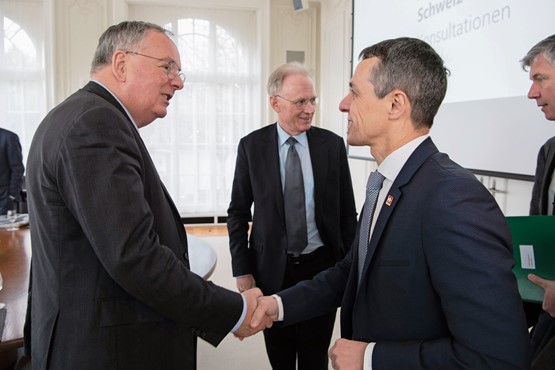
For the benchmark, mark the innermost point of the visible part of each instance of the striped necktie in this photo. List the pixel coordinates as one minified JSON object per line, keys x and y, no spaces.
{"x":294,"y":202}
{"x":373,"y":187}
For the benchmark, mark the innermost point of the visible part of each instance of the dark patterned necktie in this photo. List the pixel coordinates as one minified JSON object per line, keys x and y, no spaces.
{"x":375,"y":181}
{"x":294,"y":200}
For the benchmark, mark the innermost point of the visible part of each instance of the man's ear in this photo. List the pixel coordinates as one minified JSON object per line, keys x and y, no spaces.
{"x":400,"y":104}
{"x":119,"y":66}
{"x":274,"y":104}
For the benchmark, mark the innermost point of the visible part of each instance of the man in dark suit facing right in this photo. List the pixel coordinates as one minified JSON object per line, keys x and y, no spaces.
{"x":285,"y":247}
{"x":11,"y":170}
{"x":429,"y":284}
{"x":111,"y":285}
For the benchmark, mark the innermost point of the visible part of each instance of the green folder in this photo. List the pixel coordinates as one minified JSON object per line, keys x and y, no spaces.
{"x":534,"y":252}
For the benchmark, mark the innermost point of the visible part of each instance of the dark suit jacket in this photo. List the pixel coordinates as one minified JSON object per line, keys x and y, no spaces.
{"x":111,"y":285}
{"x":11,"y":169}
{"x":257,"y":179}
{"x":544,"y":171}
{"x":437,"y":290}
{"x":544,"y":325}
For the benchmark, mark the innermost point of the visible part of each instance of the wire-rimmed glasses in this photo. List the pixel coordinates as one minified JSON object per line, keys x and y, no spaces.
{"x":172,"y":70}
{"x":2,"y":305}
{"x":301,"y":103}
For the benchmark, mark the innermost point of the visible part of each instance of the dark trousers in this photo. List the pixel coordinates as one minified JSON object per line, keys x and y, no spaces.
{"x":307,"y":341}
{"x":543,"y":343}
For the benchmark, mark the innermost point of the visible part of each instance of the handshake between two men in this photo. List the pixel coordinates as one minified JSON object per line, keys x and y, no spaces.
{"x":261,"y":313}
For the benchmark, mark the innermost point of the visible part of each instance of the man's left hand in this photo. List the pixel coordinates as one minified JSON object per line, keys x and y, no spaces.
{"x":347,"y":354}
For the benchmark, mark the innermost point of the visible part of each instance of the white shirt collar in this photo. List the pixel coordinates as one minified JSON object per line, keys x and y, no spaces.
{"x":394,"y":162}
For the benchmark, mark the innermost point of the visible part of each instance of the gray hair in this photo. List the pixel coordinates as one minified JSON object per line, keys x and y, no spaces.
{"x":413,"y":66}
{"x":126,"y":36}
{"x":275,"y":81}
{"x":545,"y":47}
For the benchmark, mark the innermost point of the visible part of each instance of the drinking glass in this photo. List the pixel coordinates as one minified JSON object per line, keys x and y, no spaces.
{"x":2,"y":305}
{"x":12,"y":217}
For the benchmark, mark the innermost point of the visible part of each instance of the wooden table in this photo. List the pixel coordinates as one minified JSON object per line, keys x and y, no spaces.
{"x":15,"y":260}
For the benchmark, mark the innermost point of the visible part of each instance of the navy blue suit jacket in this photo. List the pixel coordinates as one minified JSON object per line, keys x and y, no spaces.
{"x":437,"y":290}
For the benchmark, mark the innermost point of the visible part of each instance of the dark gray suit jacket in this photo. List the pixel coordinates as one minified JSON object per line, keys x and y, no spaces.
{"x":111,"y":285}
{"x":257,"y":180}
{"x":11,"y":170}
{"x":437,"y":290}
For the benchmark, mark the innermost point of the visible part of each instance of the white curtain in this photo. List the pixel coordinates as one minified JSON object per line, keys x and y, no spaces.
{"x":194,"y":146}
{"x":22,"y":71}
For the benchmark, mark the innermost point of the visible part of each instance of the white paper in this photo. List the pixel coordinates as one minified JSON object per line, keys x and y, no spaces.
{"x":527,"y":259}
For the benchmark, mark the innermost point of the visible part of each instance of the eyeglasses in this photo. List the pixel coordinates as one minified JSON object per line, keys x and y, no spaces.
{"x":301,"y":103}
{"x":172,"y":70}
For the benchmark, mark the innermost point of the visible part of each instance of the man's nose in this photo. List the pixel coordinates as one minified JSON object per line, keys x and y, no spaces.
{"x":345,"y":103}
{"x":534,"y":91}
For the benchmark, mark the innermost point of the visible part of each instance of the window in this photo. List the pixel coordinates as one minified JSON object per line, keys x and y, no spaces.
{"x":22,"y":80}
{"x":194,"y":146}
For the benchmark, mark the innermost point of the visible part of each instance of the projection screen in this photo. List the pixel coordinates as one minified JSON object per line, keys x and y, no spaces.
{"x":486,"y":123}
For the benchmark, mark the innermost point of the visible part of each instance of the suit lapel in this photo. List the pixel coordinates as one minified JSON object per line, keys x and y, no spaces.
{"x":393,"y":197}
{"x":269,"y":159}
{"x":318,"y":154}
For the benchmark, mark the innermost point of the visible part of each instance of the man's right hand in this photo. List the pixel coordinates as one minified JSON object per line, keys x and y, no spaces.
{"x":247,"y":328}
{"x":267,"y":309}
{"x":245,"y":283}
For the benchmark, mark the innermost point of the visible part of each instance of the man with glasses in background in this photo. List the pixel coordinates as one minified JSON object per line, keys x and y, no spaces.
{"x":111,"y":286}
{"x":297,"y":176}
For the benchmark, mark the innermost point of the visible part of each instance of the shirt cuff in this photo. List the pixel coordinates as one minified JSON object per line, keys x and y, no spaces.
{"x":243,"y":314}
{"x":368,"y":356}
{"x":280,"y":307}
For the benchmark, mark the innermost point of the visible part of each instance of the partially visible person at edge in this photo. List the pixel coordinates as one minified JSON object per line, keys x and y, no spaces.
{"x":540,"y":61}
{"x":11,"y":171}
{"x":111,"y":286}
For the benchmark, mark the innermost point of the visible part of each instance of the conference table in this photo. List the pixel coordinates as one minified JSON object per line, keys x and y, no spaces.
{"x":15,"y":260}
